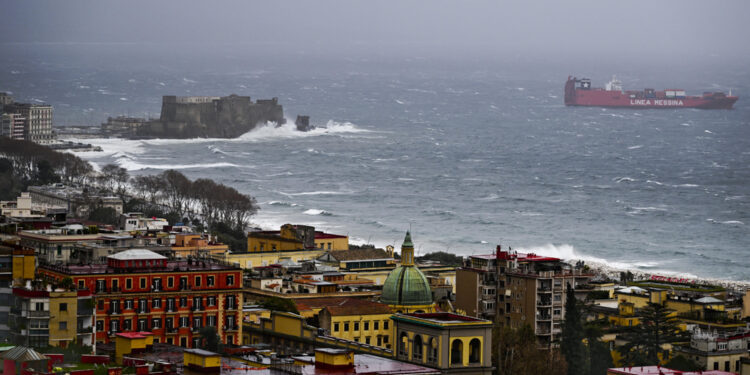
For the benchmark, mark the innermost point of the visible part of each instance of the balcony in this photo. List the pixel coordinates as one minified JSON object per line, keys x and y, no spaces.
{"x":544,"y":289}
{"x":196,"y":308}
{"x":543,"y":331}
{"x":114,"y":312}
{"x":156,"y":288}
{"x":171,"y":331}
{"x":542,"y":317}
{"x":143,"y":310}
{"x":544,"y":302}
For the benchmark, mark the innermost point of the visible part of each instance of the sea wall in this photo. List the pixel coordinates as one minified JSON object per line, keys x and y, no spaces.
{"x":210,"y":117}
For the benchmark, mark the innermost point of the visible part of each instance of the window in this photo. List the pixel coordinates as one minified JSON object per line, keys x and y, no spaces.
{"x":168,"y":323}
{"x":335,"y":327}
{"x":385,"y":324}
{"x":183,"y":302}
{"x":63,"y":307}
{"x":184,"y":321}
{"x":197,"y":281}
{"x":156,"y":303}
{"x":128,"y":284}
{"x":170,"y":282}
{"x":39,"y":306}
{"x":99,"y":325}
{"x":375,"y":325}
{"x":211,"y":301}
{"x":367,"y":326}
{"x":475,"y":351}
{"x":170,"y":304}
{"x":81,"y":284}
{"x":211,"y":320}
{"x":273,"y":247}
{"x":329,"y":248}
{"x":156,"y":323}
{"x":417,"y":348}
{"x":209,"y":281}
{"x":346,"y":326}
{"x":367,"y":339}
{"x":143,"y":283}
{"x":457,"y":349}
{"x":356,"y":326}
{"x":128,"y":304}
{"x":100,"y":304}
{"x":230,"y":280}
{"x":403,"y":344}
{"x":127,"y":324}
{"x":197,"y":322}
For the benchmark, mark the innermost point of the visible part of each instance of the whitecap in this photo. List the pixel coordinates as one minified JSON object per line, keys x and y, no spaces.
{"x":399,"y":102}
{"x":708,"y":131}
{"x":186,"y":80}
{"x":315,"y":193}
{"x":124,"y":99}
{"x":686,"y":185}
{"x":623,"y":179}
{"x":317,"y":212}
{"x":653,"y":182}
{"x":136,"y":166}
{"x":635,"y":147}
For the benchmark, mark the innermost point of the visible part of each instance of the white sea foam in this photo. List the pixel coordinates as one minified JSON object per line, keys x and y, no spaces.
{"x":623,"y":179}
{"x":686,"y":185}
{"x":315,"y":193}
{"x":400,"y":102}
{"x":317,"y":212}
{"x":653,"y":182}
{"x":635,"y":147}
{"x":136,"y":166}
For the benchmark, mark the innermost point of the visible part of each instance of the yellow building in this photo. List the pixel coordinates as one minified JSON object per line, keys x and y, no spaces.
{"x":24,"y":265}
{"x":358,"y":320}
{"x":127,"y":343}
{"x":197,"y":246}
{"x":63,"y":312}
{"x":202,"y":360}
{"x":449,"y":342}
{"x":293,"y":242}
{"x":42,"y":318}
{"x":295,"y":237}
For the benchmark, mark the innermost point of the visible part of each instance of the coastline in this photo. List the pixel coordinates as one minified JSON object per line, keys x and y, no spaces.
{"x":601,"y":268}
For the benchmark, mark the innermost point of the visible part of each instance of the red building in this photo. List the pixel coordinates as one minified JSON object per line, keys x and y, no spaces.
{"x":139,"y":290}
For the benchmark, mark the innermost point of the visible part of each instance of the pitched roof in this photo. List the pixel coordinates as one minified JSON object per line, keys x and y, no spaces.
{"x":354,"y":306}
{"x":23,"y":354}
{"x":359,"y":254}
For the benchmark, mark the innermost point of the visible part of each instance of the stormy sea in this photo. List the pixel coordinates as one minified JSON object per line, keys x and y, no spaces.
{"x":468,"y":154}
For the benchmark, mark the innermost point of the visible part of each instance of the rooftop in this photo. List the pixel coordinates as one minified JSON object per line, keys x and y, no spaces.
{"x":136,"y":254}
{"x":658,"y":370}
{"x":440,"y":319}
{"x":172,"y":266}
{"x":521,"y":257}
{"x":360,"y":254}
{"x":364,"y":364}
{"x":355,"y":306}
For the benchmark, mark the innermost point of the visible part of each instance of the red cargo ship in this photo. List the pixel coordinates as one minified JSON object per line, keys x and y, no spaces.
{"x":578,"y":92}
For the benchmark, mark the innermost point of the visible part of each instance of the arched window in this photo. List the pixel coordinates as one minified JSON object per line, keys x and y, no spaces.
{"x":457,"y":351}
{"x":432,"y":350}
{"x":417,"y":348}
{"x":475,"y":351}
{"x":403,"y":344}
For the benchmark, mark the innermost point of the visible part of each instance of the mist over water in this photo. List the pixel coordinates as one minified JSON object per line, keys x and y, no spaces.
{"x":469,"y":154}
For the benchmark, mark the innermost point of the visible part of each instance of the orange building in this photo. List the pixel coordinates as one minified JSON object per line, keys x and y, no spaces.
{"x":141,"y":291}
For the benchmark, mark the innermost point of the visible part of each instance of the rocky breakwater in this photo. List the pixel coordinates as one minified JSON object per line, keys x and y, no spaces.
{"x":210,"y":117}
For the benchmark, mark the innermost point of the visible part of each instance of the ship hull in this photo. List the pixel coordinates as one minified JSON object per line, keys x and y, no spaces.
{"x":597,"y":97}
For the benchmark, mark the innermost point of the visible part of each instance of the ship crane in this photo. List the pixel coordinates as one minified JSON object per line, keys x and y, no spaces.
{"x":614,"y":85}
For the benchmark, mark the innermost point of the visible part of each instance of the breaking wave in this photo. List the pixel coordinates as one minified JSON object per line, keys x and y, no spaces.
{"x":317,"y":212}
{"x":136,"y":166}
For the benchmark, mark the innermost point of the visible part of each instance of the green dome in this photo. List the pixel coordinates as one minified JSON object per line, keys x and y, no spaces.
{"x":406,"y":285}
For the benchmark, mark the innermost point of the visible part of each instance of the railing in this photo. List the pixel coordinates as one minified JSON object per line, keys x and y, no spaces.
{"x":544,"y":303}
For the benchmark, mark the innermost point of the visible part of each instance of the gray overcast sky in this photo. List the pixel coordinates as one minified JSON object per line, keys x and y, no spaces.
{"x":692,"y":29}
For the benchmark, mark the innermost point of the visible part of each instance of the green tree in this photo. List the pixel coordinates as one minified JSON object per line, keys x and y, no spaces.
{"x":682,"y":363}
{"x":658,"y":326}
{"x":599,"y":356}
{"x":515,"y":352}
{"x":106,"y":215}
{"x":572,"y":345}
{"x":210,"y":339}
{"x":279,"y":304}
{"x":45,"y":173}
